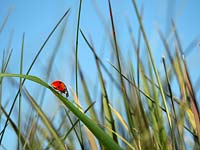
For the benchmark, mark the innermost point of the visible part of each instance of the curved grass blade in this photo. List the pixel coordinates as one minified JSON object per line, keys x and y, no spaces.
{"x":103,"y":137}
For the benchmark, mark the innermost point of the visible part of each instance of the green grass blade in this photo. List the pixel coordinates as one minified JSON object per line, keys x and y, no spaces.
{"x":76,"y":50}
{"x":76,"y":57}
{"x":105,"y":139}
{"x":20,"y":93}
{"x":174,"y":143}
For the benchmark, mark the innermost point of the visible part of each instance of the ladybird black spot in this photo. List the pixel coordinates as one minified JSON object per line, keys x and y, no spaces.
{"x":60,"y":82}
{"x":59,"y":86}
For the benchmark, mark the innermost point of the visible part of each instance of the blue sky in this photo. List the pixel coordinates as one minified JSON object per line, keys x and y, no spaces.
{"x":37,"y":18}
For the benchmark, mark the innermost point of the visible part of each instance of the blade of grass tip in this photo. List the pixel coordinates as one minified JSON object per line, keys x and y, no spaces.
{"x":20,"y":89}
{"x":76,"y":49}
{"x":166,"y":46}
{"x":172,"y":61}
{"x":103,"y":137}
{"x":177,"y":37}
{"x":33,"y":62}
{"x":193,"y":101}
{"x":174,"y":143}
{"x":123,"y":89}
{"x":108,"y":113}
{"x":15,"y":128}
{"x":153,"y":64}
{"x":192,"y":45}
{"x":5,"y":19}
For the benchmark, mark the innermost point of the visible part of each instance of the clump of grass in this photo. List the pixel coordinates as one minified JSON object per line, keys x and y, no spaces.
{"x":151,"y":116}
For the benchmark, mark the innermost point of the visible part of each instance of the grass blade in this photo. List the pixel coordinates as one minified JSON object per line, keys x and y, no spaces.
{"x":103,"y":137}
{"x":123,"y":89}
{"x":155,"y":71}
{"x":76,"y":50}
{"x":108,"y":113}
{"x":20,"y":91}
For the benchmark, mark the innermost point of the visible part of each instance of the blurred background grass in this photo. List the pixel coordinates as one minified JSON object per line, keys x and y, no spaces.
{"x":138,"y":63}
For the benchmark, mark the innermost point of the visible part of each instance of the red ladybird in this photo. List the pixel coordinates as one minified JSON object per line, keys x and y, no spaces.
{"x":60,"y":86}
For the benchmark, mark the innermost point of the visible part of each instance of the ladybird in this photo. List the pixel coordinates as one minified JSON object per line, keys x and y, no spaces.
{"x":60,"y":86}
